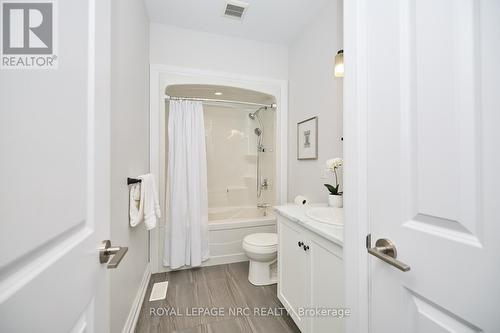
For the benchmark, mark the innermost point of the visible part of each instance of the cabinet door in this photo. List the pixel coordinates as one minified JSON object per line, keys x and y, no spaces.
{"x":327,"y":285}
{"x":293,"y":275}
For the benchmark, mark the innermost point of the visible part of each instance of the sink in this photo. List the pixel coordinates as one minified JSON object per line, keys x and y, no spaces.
{"x":328,"y":215}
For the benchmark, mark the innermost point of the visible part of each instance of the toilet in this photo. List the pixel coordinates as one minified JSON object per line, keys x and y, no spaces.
{"x":261,"y":249}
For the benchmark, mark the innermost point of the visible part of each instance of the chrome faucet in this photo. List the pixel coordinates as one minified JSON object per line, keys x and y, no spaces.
{"x":265,"y":184}
{"x":265,"y":206}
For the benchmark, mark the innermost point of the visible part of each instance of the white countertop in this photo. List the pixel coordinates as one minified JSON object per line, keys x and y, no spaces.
{"x":297,"y":214}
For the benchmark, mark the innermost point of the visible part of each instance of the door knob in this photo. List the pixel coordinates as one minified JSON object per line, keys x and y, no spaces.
{"x":385,"y":250}
{"x":105,"y":251}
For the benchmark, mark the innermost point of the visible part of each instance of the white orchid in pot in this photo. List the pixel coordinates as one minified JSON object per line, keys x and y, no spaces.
{"x":335,"y":196}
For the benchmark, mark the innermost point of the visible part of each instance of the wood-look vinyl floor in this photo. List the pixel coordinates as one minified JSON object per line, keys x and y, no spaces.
{"x":220,"y":289}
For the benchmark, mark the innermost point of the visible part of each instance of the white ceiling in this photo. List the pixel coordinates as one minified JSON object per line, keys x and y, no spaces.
{"x":276,"y":21}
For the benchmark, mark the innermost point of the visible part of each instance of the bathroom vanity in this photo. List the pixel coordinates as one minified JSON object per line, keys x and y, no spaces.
{"x":310,"y":267}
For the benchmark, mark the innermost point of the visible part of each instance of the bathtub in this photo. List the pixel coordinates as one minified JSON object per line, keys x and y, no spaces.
{"x":229,"y":225}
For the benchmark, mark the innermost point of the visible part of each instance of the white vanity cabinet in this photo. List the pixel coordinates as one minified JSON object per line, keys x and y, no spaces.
{"x":310,"y":276}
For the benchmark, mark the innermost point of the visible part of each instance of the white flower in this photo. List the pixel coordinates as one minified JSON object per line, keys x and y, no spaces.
{"x":334,"y":163}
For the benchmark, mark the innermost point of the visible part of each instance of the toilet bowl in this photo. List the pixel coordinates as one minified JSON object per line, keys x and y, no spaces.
{"x":261,"y":249}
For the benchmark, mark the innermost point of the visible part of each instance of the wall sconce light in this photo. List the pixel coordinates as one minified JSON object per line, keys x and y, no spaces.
{"x":339,"y":64}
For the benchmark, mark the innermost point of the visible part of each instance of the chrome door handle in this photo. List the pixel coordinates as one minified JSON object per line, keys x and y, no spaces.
{"x":385,"y":250}
{"x":105,"y":251}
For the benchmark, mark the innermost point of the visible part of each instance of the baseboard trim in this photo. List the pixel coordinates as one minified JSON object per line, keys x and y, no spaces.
{"x":135,"y":309}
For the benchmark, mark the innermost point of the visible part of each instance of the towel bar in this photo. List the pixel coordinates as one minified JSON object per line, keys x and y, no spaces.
{"x":131,"y":181}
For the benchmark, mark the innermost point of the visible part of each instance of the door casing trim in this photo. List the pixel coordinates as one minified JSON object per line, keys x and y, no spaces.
{"x":356,"y":261}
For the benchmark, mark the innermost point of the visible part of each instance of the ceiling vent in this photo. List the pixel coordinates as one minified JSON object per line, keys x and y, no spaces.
{"x":235,"y":9}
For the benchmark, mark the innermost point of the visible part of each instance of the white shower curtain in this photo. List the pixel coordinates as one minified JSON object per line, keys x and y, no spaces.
{"x":186,"y":241}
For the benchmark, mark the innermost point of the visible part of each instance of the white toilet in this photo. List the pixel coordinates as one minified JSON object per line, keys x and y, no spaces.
{"x":261,"y":249}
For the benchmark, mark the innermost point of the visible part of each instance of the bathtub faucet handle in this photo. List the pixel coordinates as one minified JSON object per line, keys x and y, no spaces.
{"x":265,"y":184}
{"x":265,"y":206}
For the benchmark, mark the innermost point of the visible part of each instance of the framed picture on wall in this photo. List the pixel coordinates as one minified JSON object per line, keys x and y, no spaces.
{"x":307,"y":139}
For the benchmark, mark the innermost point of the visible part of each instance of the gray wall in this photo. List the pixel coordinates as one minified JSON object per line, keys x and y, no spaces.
{"x":314,"y":91}
{"x":129,"y":146}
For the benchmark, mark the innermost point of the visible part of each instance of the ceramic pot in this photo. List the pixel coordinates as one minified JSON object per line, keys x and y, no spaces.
{"x":335,"y":200}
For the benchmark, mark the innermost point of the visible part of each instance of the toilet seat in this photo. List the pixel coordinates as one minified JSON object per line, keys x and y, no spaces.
{"x":261,"y":242}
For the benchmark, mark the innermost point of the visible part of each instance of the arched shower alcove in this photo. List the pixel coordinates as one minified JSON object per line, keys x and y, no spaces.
{"x":232,"y":149}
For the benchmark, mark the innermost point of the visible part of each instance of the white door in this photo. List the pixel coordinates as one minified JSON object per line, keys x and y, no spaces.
{"x":54,"y":184}
{"x":427,"y":84}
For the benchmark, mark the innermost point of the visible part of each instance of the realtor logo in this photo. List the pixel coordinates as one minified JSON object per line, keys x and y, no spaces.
{"x":28,"y":35}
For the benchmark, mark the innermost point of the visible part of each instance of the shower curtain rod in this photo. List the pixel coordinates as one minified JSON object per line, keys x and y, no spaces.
{"x":174,"y":98}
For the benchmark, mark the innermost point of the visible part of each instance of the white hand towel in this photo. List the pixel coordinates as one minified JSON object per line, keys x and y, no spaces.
{"x":149,"y":203}
{"x":136,"y":210}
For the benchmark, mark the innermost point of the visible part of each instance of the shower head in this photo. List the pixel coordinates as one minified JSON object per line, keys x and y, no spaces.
{"x":253,"y":115}
{"x":257,"y":131}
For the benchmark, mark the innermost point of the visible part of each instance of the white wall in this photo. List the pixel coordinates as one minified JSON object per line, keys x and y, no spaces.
{"x":314,"y":91}
{"x":194,"y":49}
{"x":129,"y":146}
{"x":230,"y":138}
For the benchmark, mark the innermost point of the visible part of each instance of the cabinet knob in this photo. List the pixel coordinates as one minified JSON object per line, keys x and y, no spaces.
{"x":300,"y":244}
{"x":306,"y":247}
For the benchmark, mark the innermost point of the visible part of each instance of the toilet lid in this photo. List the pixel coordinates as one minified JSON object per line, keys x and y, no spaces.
{"x":262,"y":239}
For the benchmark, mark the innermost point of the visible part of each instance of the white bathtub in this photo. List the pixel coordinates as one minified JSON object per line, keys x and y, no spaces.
{"x":227,"y":228}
